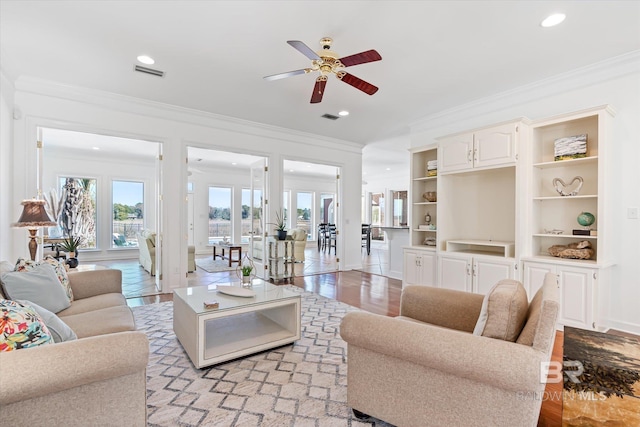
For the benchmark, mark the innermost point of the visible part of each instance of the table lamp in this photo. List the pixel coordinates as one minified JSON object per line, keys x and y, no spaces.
{"x":33,"y":216}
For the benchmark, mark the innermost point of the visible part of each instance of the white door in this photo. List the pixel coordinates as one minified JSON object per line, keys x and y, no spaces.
{"x":575,"y":296}
{"x":158,"y":214}
{"x":495,"y":146}
{"x":534,"y":276}
{"x":410,"y":273}
{"x":258,"y":234}
{"x":455,"y":273}
{"x":190,"y":214}
{"x":488,"y":272}
{"x":456,"y":153}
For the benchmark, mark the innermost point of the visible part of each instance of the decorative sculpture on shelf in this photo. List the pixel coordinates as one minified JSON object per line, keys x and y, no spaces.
{"x":561,"y":187}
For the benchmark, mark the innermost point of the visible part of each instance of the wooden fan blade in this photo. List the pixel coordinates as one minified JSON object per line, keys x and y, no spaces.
{"x":358,"y":83}
{"x":304,"y":49}
{"x":287,"y":74}
{"x":361,"y":58}
{"x":318,"y":90}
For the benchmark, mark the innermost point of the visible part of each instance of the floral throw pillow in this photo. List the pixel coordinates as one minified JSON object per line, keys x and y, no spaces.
{"x":59,"y":267}
{"x":21,"y":327}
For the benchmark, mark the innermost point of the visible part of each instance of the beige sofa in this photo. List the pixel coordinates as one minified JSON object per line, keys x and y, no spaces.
{"x":426,"y":368}
{"x":98,"y":379}
{"x":147,"y":249}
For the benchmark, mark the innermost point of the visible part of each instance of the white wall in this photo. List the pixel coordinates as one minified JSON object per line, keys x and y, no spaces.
{"x":615,"y":82}
{"x":48,"y":104}
{"x":59,"y":163}
{"x":7,"y":209}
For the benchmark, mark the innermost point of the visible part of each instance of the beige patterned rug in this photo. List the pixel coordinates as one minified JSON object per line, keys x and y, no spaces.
{"x":211,"y":266}
{"x":301,"y":384}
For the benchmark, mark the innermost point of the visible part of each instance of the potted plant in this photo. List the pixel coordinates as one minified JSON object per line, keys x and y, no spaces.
{"x":280,"y":225}
{"x":71,"y":245}
{"x":246,"y":273}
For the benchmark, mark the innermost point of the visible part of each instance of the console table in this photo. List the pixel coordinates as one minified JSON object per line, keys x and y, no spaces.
{"x":230,"y":248}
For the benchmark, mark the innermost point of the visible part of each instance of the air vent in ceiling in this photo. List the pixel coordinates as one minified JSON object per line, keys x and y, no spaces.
{"x":330,"y":116}
{"x":151,"y":71}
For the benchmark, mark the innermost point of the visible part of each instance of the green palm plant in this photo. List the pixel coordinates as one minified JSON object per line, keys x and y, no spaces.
{"x":71,"y":244}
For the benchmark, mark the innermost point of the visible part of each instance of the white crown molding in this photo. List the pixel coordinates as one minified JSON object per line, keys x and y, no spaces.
{"x":591,"y":74}
{"x":176,"y":113}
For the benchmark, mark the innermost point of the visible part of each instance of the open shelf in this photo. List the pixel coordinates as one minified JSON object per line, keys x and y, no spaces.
{"x":482,"y":247}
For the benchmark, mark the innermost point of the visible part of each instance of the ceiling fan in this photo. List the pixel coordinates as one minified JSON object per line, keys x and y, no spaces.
{"x":327,"y":62}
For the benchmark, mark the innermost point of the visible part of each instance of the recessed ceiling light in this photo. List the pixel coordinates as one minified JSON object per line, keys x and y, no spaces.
{"x":96,"y":148}
{"x":553,"y":20}
{"x":146,"y":60}
{"x":234,"y":163}
{"x":343,"y":113}
{"x":291,"y":170}
{"x":388,"y":169}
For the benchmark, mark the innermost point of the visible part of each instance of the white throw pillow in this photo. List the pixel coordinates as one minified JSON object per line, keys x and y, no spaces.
{"x":59,"y":330}
{"x":40,"y":285}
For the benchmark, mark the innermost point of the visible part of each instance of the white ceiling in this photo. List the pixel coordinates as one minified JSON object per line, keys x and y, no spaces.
{"x":435,"y":54}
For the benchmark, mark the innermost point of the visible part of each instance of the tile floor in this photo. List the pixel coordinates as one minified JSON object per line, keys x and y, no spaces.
{"x":137,"y":282}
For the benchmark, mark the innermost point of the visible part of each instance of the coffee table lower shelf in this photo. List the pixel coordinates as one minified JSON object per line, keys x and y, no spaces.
{"x":214,"y":337}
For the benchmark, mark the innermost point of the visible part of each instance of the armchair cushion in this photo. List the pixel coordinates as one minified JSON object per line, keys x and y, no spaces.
{"x":504,"y":311}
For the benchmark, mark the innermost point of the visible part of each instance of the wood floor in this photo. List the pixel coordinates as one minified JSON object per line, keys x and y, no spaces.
{"x":374,"y":293}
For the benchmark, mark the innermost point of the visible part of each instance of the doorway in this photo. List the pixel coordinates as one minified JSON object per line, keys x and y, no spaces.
{"x":312,"y":191}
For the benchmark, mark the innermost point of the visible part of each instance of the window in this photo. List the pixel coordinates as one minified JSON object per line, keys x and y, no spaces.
{"x":303,"y":219}
{"x":286,"y":206}
{"x":219,"y":213}
{"x":78,"y":214}
{"x":326,"y":209}
{"x":399,"y":208}
{"x":377,"y":215}
{"x":127,"y":200}
{"x":246,"y":214}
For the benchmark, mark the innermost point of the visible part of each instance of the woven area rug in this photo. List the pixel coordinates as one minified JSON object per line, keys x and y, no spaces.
{"x":211,"y":266}
{"x":302,"y":384}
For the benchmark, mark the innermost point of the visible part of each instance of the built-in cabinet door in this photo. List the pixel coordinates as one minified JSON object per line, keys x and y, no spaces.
{"x":410,"y":274}
{"x":487,"y":272}
{"x":419,"y":268}
{"x":428,"y":270}
{"x":495,"y":146}
{"x":456,"y":153}
{"x":576,"y":287}
{"x":534,"y":276}
{"x":455,"y":272}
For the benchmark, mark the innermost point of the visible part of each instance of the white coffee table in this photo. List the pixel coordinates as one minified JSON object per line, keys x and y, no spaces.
{"x":239,"y":326}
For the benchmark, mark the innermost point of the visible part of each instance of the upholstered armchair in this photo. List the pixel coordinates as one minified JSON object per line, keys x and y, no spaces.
{"x":147,"y":252}
{"x":427,"y":367}
{"x":300,"y":237}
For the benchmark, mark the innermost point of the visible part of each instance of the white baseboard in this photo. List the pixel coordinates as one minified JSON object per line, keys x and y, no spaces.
{"x":632,"y":328}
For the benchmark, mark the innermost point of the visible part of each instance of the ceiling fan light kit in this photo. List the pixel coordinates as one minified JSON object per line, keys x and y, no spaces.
{"x":327,"y":62}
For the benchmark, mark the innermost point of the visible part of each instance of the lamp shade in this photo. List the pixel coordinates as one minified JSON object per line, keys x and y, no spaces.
{"x":34,"y":215}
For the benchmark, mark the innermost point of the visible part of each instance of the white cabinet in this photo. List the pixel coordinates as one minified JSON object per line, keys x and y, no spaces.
{"x":490,"y":147}
{"x":469,"y":273}
{"x":419,"y":267}
{"x":578,"y":291}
